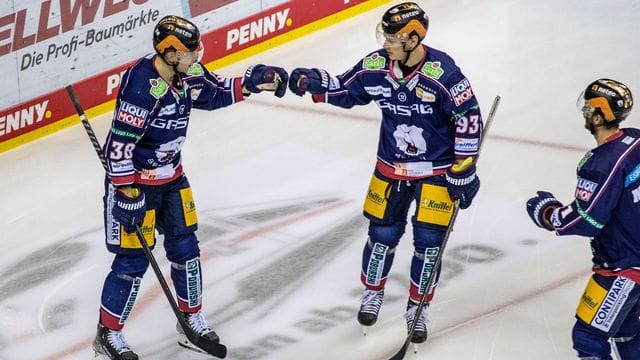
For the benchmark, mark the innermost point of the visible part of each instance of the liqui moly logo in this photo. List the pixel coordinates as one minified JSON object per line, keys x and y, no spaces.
{"x":131,"y":114}
{"x":461,"y":92}
{"x":258,"y":28}
{"x":585,"y":189}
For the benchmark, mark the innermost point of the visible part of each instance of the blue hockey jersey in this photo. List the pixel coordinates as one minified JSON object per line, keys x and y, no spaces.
{"x":607,"y":203}
{"x":151,"y":118}
{"x":429,"y":118}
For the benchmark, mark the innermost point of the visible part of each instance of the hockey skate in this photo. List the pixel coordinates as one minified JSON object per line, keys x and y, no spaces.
{"x":371,"y":302}
{"x":200,"y":326}
{"x":111,"y":344}
{"x":420,"y":333}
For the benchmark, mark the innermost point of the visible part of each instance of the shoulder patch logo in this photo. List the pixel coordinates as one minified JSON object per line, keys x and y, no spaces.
{"x":628,"y":140}
{"x":432,"y":70}
{"x":584,"y":159}
{"x":632,"y":177}
{"x":195,"y":70}
{"x":158,"y":88}
{"x":585,"y":189}
{"x":374,"y":62}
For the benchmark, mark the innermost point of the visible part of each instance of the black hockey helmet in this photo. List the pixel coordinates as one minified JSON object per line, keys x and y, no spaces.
{"x":175,"y":33}
{"x":611,"y":98}
{"x":405,"y":20}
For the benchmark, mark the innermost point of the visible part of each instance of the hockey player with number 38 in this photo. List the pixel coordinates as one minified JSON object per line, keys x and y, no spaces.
{"x":606,"y":208}
{"x":429,"y":138}
{"x":146,"y":185}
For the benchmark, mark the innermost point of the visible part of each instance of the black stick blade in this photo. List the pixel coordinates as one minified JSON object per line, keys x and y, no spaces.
{"x":401,"y":353}
{"x":210,"y":347}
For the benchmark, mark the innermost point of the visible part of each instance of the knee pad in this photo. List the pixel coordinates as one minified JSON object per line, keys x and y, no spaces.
{"x":130,"y":266}
{"x":388,"y":235}
{"x":427,"y":237}
{"x":627,"y":348}
{"x":590,"y":343}
{"x":181,"y":248}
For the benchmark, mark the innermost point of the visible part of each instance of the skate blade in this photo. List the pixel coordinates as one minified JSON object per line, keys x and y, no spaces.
{"x":364,"y":331}
{"x":100,"y":356}
{"x":185,"y":343}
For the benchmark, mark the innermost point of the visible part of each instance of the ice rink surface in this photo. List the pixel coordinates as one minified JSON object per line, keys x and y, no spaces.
{"x":279,"y":185}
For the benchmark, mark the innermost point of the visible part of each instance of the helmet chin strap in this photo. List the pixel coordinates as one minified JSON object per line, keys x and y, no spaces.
{"x":407,"y":53}
{"x":173,"y":66}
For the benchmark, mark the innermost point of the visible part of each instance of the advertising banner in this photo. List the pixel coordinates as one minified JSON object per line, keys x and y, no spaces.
{"x":47,"y":44}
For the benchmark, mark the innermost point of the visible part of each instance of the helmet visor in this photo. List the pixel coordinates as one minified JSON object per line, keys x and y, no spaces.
{"x":190,"y":57}
{"x":387,"y":39}
{"x":587,"y":110}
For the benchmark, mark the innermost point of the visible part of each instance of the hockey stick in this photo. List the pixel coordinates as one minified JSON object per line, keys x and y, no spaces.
{"x":210,"y":347}
{"x":403,"y":350}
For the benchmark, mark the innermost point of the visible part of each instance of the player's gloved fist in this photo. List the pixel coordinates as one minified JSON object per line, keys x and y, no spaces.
{"x":315,"y":81}
{"x":129,"y":209}
{"x":540,"y":208}
{"x":260,"y":77}
{"x":462,"y":181}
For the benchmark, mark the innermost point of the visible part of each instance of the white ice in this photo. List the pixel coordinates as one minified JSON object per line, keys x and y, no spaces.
{"x":279,"y":186}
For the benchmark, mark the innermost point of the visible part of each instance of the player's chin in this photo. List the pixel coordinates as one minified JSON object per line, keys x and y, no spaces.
{"x":184,"y":66}
{"x":393,"y":56}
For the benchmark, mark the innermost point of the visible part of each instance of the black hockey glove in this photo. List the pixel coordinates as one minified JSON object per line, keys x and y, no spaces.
{"x":462,"y":182}
{"x":129,"y":211}
{"x":540,"y":208}
{"x":315,"y":81}
{"x":260,"y":77}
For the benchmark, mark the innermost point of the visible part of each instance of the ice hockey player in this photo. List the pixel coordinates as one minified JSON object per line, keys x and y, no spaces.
{"x":429,"y":137}
{"x":606,"y":208}
{"x":146,"y":185}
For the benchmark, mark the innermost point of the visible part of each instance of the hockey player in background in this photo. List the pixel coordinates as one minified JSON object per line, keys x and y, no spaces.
{"x":146,"y":185}
{"x":429,"y":138}
{"x":606,"y":208}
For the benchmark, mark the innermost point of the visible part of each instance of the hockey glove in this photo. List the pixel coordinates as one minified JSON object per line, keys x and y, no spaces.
{"x":129,"y":209}
{"x":540,"y":208}
{"x":462,"y":182}
{"x":315,"y":81}
{"x":260,"y":77}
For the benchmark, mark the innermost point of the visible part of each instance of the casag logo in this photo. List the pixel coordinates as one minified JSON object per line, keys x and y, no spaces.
{"x":174,"y":124}
{"x":404,"y":110}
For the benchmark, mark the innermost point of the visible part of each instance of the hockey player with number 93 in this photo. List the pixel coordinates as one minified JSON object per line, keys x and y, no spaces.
{"x":429,"y":139}
{"x":146,"y":186}
{"x":606,"y":208}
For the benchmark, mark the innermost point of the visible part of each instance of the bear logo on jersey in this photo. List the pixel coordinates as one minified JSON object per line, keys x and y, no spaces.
{"x":409,"y":139}
{"x":167,"y":151}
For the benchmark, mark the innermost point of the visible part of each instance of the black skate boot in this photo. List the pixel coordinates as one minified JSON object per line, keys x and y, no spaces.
{"x":200,"y":326}
{"x":420,"y":333}
{"x":112,"y":345}
{"x":371,"y":302}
